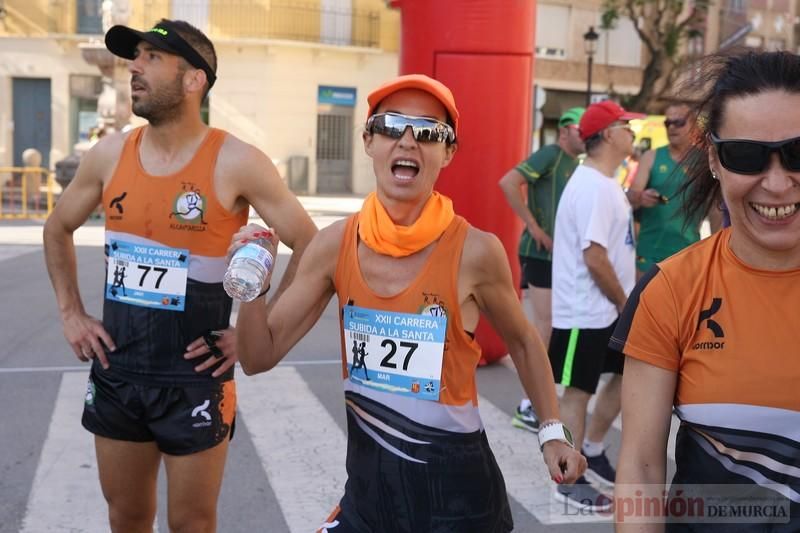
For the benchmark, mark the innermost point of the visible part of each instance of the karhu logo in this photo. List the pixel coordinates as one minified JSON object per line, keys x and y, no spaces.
{"x":117,"y":203}
{"x":713,"y":325}
{"x":200,"y":410}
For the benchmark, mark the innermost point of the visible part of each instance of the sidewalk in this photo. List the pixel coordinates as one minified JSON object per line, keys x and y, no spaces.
{"x":331,"y":205}
{"x":324,"y":210}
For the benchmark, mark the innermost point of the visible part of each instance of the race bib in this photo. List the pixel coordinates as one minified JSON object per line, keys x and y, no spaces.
{"x":399,"y":353}
{"x":147,"y":276}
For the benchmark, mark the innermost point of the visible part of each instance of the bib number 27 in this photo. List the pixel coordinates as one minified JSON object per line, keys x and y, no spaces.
{"x":410,"y":348}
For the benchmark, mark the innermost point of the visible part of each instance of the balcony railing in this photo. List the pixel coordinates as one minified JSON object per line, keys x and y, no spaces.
{"x":219,"y":19}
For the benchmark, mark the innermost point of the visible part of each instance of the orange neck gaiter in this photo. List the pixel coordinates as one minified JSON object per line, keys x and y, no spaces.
{"x":377,"y":230}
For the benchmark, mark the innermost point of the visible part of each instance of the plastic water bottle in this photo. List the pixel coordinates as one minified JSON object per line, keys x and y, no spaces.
{"x":247,"y":271}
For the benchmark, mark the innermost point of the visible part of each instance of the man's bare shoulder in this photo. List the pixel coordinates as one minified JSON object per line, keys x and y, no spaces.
{"x":102,"y":158}
{"x":330,"y":237}
{"x":322,"y":253}
{"x":477,"y":237}
{"x":480,"y":246}
{"x":236,"y":153}
{"x":109,"y":147}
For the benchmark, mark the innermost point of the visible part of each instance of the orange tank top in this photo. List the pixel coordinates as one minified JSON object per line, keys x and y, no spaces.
{"x":179,"y":210}
{"x":178,"y":219}
{"x":434,"y":290}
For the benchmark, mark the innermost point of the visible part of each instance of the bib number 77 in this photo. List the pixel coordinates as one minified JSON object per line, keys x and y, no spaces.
{"x":146,"y":270}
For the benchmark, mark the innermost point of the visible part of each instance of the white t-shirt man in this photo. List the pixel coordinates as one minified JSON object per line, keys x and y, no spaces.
{"x":593,"y":208}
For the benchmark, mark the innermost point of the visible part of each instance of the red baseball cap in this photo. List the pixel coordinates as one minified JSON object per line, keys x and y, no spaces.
{"x":416,"y":81}
{"x":601,"y":115}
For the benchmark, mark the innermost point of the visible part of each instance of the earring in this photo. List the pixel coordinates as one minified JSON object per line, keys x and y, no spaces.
{"x":714,"y":175}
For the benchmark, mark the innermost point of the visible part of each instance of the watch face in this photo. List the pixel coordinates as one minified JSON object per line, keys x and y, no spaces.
{"x":568,"y":435}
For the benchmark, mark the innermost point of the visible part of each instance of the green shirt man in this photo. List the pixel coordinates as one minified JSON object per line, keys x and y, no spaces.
{"x":664,"y":229}
{"x":546,"y":172}
{"x":655,"y":192}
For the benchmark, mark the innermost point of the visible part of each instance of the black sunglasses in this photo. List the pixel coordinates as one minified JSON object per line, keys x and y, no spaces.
{"x":744,"y":156}
{"x":677,"y":122}
{"x":424,"y":129}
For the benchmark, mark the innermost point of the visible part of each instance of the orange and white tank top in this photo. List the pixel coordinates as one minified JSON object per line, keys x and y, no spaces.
{"x":179,"y":210}
{"x":166,"y":241}
{"x":410,"y":352}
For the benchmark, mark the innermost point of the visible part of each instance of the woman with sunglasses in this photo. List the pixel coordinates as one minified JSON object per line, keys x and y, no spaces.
{"x":412,"y":279}
{"x":711,"y":331}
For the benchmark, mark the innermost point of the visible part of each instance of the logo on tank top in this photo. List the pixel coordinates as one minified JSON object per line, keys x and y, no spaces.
{"x":189,"y":208}
{"x":432,"y":305}
{"x":115,"y":207}
{"x":713,"y":325}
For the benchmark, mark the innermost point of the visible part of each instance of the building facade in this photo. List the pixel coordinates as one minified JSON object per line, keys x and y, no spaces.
{"x":757,"y":24}
{"x":293,"y":78}
{"x":561,"y":68}
{"x":293,"y":74}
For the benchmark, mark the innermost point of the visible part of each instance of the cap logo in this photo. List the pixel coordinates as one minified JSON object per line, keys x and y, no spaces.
{"x":161,"y":31}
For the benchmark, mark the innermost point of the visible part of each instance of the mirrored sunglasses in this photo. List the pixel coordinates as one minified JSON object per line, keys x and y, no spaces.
{"x":424,"y":129}
{"x":744,"y":156}
{"x":677,"y":122}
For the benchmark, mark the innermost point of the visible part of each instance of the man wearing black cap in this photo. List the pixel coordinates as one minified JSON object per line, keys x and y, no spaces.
{"x":174,"y":192}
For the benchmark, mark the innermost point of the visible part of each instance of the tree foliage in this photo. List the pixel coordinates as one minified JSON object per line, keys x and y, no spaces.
{"x":663,"y":26}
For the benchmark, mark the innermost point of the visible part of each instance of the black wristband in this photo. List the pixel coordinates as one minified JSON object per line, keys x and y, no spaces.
{"x":262,"y":293}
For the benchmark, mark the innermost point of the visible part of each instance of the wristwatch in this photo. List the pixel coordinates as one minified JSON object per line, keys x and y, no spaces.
{"x":555,"y":431}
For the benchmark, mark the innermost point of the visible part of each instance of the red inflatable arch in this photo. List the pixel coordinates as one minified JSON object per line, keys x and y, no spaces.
{"x":483,"y":51}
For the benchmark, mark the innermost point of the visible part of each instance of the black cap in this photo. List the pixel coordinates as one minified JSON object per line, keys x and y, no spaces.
{"x":122,"y":41}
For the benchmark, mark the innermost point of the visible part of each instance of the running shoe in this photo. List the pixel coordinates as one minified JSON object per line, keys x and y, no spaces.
{"x":600,"y":471}
{"x":525,"y":419}
{"x":583,"y":496}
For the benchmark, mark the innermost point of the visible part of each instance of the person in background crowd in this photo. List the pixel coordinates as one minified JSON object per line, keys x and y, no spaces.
{"x":593,"y":273}
{"x":545,"y":173}
{"x":656,"y":192}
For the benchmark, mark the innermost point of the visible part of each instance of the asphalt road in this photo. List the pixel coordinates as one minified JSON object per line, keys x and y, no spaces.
{"x":286,"y":465}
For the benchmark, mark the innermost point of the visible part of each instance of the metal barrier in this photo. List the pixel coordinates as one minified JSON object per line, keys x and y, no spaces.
{"x":26,"y":192}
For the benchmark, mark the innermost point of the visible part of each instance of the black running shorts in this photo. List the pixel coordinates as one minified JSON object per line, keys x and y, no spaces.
{"x":579,"y":356}
{"x":537,"y":272}
{"x":181,"y":420}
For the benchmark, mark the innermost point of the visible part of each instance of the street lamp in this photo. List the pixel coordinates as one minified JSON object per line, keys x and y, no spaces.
{"x":590,"y":47}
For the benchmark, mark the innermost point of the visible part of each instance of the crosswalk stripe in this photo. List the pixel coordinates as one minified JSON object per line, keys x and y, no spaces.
{"x":10,"y":251}
{"x":300,"y":446}
{"x":617,"y":424}
{"x":66,"y":496}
